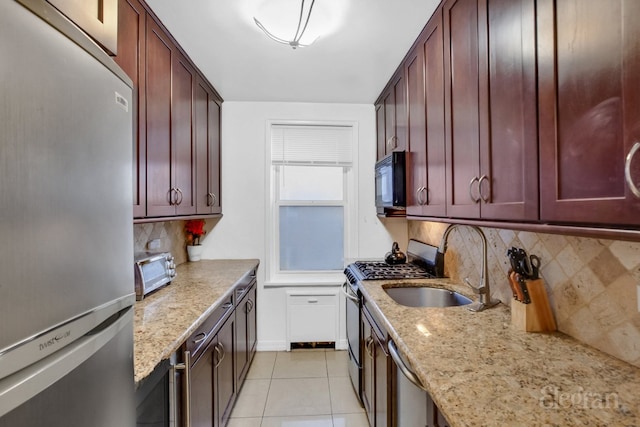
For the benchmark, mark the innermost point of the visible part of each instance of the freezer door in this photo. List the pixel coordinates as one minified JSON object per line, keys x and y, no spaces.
{"x":88,"y":383}
{"x":65,"y":175}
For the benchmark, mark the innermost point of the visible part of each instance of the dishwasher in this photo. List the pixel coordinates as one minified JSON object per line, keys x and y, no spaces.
{"x":413,"y":405}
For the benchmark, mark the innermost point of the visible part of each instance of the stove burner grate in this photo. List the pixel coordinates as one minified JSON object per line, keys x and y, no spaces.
{"x":370,"y":270}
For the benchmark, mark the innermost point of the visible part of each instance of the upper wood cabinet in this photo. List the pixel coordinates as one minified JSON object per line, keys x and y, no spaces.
{"x":161,"y":192}
{"x":589,"y":75}
{"x":424,"y":75}
{"x":131,"y":58}
{"x":207,"y":135}
{"x":183,"y":147}
{"x":391,"y":110}
{"x":462,"y":107}
{"x":177,"y":142}
{"x":98,"y":18}
{"x":508,"y":121}
{"x":490,"y":106}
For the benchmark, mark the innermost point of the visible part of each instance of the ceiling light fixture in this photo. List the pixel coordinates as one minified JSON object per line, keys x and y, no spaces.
{"x":302,"y":27}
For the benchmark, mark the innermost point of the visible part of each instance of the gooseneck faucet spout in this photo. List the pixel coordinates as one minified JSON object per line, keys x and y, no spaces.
{"x":483,"y":291}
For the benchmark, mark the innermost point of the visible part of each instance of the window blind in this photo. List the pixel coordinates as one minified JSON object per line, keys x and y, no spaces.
{"x":308,"y":145}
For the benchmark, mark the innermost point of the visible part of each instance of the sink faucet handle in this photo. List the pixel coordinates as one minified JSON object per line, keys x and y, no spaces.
{"x":479,"y":290}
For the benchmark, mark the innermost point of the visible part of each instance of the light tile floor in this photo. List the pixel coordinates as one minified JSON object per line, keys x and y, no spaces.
{"x":301,"y":388}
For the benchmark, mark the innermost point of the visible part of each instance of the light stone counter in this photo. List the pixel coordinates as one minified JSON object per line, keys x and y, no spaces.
{"x":164,"y":319}
{"x":480,"y":371}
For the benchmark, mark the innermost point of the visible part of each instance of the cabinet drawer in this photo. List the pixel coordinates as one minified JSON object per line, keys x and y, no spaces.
{"x":245,"y":285}
{"x":197,"y":341}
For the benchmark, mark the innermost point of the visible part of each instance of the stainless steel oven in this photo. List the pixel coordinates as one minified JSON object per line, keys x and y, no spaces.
{"x":350,"y":289}
{"x":424,"y":261}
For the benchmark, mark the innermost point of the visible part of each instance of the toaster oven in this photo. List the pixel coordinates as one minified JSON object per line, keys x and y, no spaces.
{"x":152,"y":271}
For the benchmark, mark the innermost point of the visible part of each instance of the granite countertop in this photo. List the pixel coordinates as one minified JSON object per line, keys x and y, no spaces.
{"x":164,"y":319}
{"x":479,"y":370}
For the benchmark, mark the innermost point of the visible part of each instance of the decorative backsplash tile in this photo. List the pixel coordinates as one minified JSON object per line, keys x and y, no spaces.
{"x":171,"y":235}
{"x":591,"y":282}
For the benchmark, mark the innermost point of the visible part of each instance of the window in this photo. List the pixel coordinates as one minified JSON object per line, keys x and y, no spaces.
{"x":311,"y":184}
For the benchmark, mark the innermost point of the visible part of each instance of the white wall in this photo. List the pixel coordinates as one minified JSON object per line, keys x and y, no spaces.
{"x":241,"y":232}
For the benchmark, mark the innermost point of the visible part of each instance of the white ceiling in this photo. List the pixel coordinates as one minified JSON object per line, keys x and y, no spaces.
{"x":349,"y":65}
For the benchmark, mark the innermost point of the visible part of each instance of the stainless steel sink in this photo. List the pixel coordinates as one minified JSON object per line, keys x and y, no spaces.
{"x":426,"y":297}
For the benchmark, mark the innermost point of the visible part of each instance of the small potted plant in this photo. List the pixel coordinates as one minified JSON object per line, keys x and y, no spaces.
{"x":194,"y":229}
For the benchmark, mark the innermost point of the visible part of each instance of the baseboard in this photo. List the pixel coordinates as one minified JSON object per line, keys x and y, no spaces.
{"x":282,"y":345}
{"x":271,"y":346}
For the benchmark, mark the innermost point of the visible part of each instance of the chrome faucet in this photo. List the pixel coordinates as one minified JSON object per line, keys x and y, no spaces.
{"x":483,"y":291}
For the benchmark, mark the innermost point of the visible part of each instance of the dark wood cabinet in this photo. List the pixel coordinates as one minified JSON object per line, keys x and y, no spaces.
{"x":161,"y":195}
{"x":381,"y":142}
{"x":588,"y":78}
{"x":131,"y":58}
{"x":207,"y":137}
{"x":461,"y":106}
{"x":212,"y":380}
{"x":97,"y":18}
{"x":246,"y":328}
{"x":368,"y":371}
{"x":391,"y":110}
{"x":177,"y":143}
{"x":424,"y":74}
{"x":490,"y":105}
{"x":170,"y":119}
{"x":508,"y":125}
{"x":381,"y":358}
{"x":182,"y":157}
{"x":201,"y":393}
{"x":224,"y":373}
{"x":376,"y":364}
{"x":219,"y":353}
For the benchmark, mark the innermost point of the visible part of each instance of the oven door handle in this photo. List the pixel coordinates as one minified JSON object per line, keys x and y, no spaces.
{"x":347,"y":293}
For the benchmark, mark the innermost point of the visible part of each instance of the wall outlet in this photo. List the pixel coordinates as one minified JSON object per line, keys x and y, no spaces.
{"x":154,"y":244}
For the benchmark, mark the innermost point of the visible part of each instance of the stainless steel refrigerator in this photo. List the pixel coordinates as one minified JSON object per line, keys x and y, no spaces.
{"x":66,"y":233}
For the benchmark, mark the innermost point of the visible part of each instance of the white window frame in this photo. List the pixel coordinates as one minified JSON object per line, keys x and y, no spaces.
{"x":277,"y":278}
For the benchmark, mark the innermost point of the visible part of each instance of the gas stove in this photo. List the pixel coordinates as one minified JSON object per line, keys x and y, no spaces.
{"x":424,"y":261}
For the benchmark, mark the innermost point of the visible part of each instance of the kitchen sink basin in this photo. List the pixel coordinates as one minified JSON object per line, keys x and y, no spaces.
{"x":426,"y":297}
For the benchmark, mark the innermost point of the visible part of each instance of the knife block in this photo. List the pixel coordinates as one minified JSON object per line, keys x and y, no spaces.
{"x":536,"y":316}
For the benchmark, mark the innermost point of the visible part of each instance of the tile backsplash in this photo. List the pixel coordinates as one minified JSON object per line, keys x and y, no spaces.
{"x":591,"y":282}
{"x":171,"y":235}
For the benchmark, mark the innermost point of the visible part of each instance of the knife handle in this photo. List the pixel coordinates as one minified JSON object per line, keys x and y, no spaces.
{"x":515,"y":286}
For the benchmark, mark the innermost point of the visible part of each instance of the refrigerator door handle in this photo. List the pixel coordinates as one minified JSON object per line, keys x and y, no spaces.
{"x":18,"y":388}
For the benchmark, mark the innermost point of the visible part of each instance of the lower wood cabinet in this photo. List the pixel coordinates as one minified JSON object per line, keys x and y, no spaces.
{"x":216,"y":358}
{"x":246,"y":337}
{"x":375,"y":372}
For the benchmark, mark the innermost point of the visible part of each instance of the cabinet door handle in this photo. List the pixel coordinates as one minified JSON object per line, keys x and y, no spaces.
{"x":227,"y":306}
{"x":474,"y":199}
{"x":199,"y":338}
{"x":220,"y":355}
{"x":171,"y":196}
{"x":179,"y":191}
{"x":186,"y":392}
{"x":392,"y":142}
{"x":367,"y":346}
{"x":211,"y":199}
{"x":627,"y":170}
{"x":426,"y":198}
{"x":419,"y":196}
{"x":250,"y":305}
{"x":483,"y":178}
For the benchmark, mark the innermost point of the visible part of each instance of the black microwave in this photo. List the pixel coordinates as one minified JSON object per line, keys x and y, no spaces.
{"x":390,"y":182}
